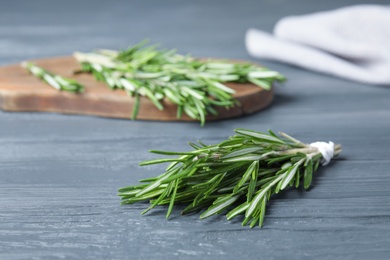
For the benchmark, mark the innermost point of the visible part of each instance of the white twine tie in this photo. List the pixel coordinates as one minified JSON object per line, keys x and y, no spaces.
{"x":326,"y":149}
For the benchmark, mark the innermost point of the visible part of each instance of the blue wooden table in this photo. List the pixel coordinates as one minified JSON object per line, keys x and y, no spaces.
{"x":59,"y":173}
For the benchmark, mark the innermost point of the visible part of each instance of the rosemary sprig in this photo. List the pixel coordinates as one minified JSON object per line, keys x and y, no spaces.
{"x":195,"y":86}
{"x":56,"y":81}
{"x":237,"y":176}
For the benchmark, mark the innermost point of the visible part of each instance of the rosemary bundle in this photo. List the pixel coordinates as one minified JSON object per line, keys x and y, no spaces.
{"x":56,"y":81}
{"x":194,"y":85}
{"x":237,"y":176}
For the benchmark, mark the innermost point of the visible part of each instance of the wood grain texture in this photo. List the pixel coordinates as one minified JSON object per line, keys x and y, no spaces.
{"x":20,"y":91}
{"x":59,"y":173}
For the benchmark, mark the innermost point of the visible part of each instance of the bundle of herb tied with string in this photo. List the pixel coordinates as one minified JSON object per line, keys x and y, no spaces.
{"x":196,"y":86}
{"x":235,"y":177}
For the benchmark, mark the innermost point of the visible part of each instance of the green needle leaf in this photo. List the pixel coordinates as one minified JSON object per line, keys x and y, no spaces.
{"x":159,"y":161}
{"x":216,"y":208}
{"x":135,"y":107}
{"x":243,"y":151}
{"x":308,"y":175}
{"x":238,"y":210}
{"x":259,"y":136}
{"x":262,"y":211}
{"x":290,"y":174}
{"x":246,"y":175}
{"x":171,"y":203}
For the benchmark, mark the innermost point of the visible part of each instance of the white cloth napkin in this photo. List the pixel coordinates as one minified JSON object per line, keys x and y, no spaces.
{"x":351,"y":42}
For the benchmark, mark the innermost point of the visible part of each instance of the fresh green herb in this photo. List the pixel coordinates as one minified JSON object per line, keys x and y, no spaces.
{"x":237,"y":176}
{"x":56,"y":81}
{"x":195,"y":86}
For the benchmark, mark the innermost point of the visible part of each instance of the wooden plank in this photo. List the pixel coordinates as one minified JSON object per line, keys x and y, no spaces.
{"x":59,"y":174}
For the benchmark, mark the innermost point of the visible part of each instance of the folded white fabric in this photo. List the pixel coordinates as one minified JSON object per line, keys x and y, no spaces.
{"x":351,"y":42}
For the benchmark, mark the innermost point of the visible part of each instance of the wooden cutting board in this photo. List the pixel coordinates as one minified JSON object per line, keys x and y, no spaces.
{"x":20,"y":91}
